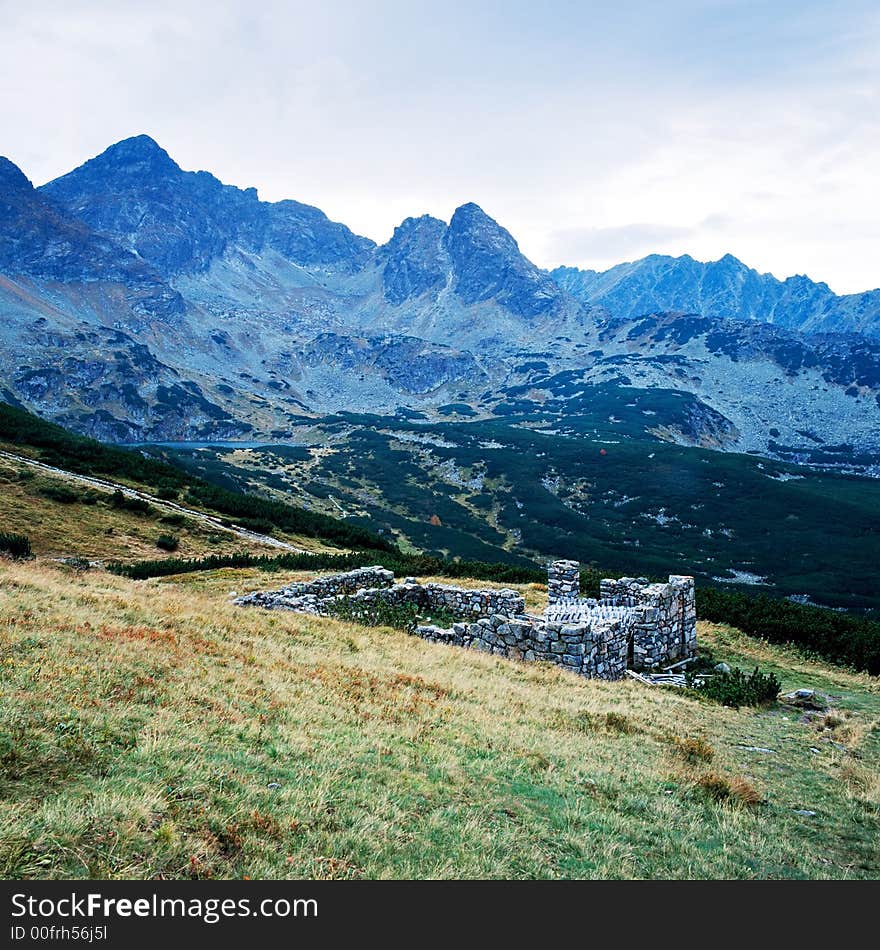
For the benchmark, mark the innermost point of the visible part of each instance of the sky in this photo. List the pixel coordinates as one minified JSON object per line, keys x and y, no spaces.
{"x":596,"y":132}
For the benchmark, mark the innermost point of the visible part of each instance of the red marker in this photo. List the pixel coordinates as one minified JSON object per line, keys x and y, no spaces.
{"x":602,"y":452}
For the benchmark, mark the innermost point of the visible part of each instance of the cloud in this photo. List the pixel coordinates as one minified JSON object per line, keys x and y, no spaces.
{"x":596,"y":247}
{"x":587,"y":129}
{"x":622,"y":243}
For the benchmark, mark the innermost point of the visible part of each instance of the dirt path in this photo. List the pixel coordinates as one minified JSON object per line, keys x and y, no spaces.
{"x":103,"y":485}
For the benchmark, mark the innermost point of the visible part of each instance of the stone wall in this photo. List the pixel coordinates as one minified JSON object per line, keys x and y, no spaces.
{"x":459,"y":601}
{"x":633,"y":623}
{"x":300,"y":596}
{"x":563,"y":581}
{"x":371,"y":584}
{"x":664,"y":626}
{"x":597,"y":649}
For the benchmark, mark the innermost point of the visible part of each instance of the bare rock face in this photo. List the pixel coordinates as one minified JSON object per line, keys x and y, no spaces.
{"x":488,"y":265}
{"x":180,"y":221}
{"x":248,"y":313}
{"x":722,"y":288}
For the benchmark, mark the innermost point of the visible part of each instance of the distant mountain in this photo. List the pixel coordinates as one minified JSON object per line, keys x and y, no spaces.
{"x":180,"y":221}
{"x":723,"y":288}
{"x":139,"y":301}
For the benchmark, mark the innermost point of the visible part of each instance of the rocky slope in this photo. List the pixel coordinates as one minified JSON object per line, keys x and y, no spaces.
{"x":140,"y":301}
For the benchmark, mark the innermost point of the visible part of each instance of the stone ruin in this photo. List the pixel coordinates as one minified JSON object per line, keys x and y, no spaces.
{"x":369,"y":585}
{"x":633,"y":624}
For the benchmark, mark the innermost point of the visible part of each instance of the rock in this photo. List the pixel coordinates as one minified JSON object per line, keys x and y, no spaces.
{"x":722,"y":668}
{"x":805,"y":812}
{"x":805,"y":699}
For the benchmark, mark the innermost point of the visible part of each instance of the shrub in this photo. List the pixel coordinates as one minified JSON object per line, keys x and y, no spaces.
{"x":744,"y":792}
{"x":722,"y":789}
{"x":736,"y":688}
{"x":60,"y":493}
{"x":257,"y":525}
{"x":617,"y":722}
{"x":401,"y":564}
{"x":175,"y":520}
{"x":15,"y":545}
{"x":715,"y":786}
{"x":126,"y":503}
{"x":168,"y":542}
{"x":843,"y":638}
{"x":385,"y":614}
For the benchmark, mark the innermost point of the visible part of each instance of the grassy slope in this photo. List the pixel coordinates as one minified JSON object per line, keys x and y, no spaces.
{"x":100,"y":531}
{"x":152,"y":729}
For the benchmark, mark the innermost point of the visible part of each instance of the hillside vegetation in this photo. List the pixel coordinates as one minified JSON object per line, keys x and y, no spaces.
{"x":52,"y":515}
{"x":594,"y":484}
{"x":24,"y":432}
{"x":63,"y":519}
{"x":151,"y":729}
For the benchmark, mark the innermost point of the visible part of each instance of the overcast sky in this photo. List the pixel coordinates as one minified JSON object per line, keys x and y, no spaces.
{"x":595,"y":132}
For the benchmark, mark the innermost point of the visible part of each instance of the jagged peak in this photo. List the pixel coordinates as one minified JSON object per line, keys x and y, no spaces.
{"x":414,"y":226}
{"x":420,"y":220}
{"x":12,"y":178}
{"x":138,"y":147}
{"x":139,"y":156}
{"x":470,"y":211}
{"x":470,"y":221}
{"x":730,"y":261}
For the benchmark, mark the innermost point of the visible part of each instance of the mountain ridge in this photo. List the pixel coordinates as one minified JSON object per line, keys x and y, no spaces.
{"x":186,"y":309}
{"x":723,"y":288}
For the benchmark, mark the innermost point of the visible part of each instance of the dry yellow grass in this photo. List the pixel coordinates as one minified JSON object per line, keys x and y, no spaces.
{"x":153,"y":729}
{"x":100,"y":532}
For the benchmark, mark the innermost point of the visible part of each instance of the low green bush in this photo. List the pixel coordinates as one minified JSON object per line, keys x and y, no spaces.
{"x":383,"y":614}
{"x":15,"y":545}
{"x":168,"y":542}
{"x":401,"y":564}
{"x":126,"y":503}
{"x":175,"y":520}
{"x":63,"y":494}
{"x":736,"y":688}
{"x":843,"y":638}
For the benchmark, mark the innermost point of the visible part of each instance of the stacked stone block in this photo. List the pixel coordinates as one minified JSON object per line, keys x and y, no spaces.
{"x":563,"y":581}
{"x":594,"y":650}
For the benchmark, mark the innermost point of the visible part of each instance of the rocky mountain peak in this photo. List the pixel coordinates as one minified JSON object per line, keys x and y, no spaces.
{"x":12,"y":178}
{"x":470,"y":225}
{"x":138,"y":157}
{"x":180,"y":221}
{"x":416,"y":260}
{"x":488,"y":265}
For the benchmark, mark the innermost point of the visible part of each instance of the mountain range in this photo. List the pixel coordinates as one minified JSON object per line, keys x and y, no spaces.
{"x":723,"y":288}
{"x":142,"y":302}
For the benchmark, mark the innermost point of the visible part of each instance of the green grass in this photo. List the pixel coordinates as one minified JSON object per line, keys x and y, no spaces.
{"x":151,"y":729}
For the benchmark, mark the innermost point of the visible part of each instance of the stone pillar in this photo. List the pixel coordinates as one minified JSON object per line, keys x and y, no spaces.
{"x":563,"y":581}
{"x":687,"y":612}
